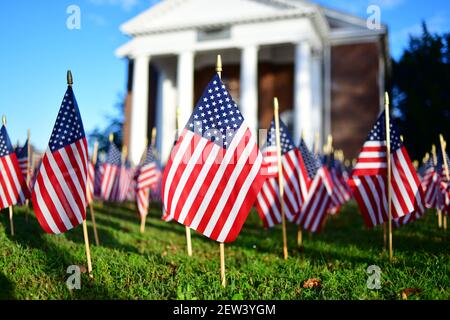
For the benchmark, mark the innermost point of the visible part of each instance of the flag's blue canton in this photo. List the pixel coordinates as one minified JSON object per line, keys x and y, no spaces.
{"x":114,"y":156}
{"x":216,"y":116}
{"x":5,"y":144}
{"x":149,"y":157}
{"x":22,"y":152}
{"x":378,"y":133}
{"x":68,"y":127}
{"x":311,"y":163}
{"x":285,"y":139}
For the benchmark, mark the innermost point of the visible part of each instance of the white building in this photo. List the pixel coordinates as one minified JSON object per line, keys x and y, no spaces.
{"x":326,"y":67}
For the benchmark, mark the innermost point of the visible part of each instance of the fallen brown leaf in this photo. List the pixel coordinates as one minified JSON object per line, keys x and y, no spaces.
{"x":83,"y":269}
{"x":405,"y":293}
{"x":312,"y":283}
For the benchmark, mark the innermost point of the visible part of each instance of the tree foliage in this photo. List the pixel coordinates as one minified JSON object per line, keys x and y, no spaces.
{"x":114,"y":126}
{"x":421,"y":90}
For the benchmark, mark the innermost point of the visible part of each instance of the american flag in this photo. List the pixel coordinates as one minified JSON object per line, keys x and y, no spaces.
{"x":295,"y":179}
{"x":98,"y":176}
{"x":443,"y":195}
{"x":111,"y":171}
{"x":369,"y":177}
{"x":59,"y":194}
{"x":147,"y":178}
{"x":213,"y":175}
{"x":13,"y":188}
{"x":22,"y":157}
{"x":319,"y":198}
{"x":124,"y":182}
{"x":341,"y":190}
{"x":90,"y":182}
{"x":430,"y":183}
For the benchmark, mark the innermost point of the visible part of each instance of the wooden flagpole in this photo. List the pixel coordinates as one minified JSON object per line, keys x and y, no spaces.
{"x":28,"y":177}
{"x":188,"y":230}
{"x":388,"y":160}
{"x":447,"y":174}
{"x":91,"y":207}
{"x":300,"y":231}
{"x":221,"y":245}
{"x":144,"y":218}
{"x":280,"y":175}
{"x":85,"y":231}
{"x":11,"y":221}
{"x":439,"y":213}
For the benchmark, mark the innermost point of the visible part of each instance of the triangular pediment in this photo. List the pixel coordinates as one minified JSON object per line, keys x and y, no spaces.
{"x":181,"y":14}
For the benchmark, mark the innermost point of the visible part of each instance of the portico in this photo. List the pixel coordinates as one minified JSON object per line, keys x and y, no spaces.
{"x":272,"y":48}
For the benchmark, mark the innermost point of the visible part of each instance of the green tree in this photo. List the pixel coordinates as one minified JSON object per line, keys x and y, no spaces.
{"x":114,"y":126}
{"x":421,"y":91}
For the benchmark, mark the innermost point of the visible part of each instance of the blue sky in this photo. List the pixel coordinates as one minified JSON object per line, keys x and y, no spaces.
{"x":36,"y":49}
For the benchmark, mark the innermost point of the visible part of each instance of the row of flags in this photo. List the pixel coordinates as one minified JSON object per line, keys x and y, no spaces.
{"x":216,"y":173}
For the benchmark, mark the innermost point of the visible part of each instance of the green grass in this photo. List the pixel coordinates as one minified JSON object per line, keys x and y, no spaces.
{"x":154,"y":265}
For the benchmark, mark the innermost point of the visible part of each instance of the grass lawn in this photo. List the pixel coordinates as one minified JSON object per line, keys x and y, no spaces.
{"x":154,"y":265}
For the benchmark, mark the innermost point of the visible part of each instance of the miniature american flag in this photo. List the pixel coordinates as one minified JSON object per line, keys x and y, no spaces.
{"x":213,"y":175}
{"x":147,"y":178}
{"x":22,"y":157}
{"x":369,"y":177}
{"x":295,"y":179}
{"x":319,"y":199}
{"x":111,"y":169}
{"x":59,"y":194}
{"x":90,"y":182}
{"x":13,"y":188}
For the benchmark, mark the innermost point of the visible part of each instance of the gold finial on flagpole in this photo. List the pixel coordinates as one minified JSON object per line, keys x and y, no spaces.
{"x":219,"y":65}
{"x":111,"y":137}
{"x":4,"y":120}
{"x":69,"y":78}
{"x":386,"y":99}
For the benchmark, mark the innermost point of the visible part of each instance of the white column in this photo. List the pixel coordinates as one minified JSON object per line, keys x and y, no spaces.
{"x":317,"y":101}
{"x":139,"y":108}
{"x":249,"y":86}
{"x":165,"y":119}
{"x":303,"y":93}
{"x":327,"y":91}
{"x":185,"y":85}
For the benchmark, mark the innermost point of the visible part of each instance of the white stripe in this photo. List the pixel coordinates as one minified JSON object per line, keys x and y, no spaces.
{"x":65,"y":187}
{"x":374,"y":144}
{"x":176,"y":161}
{"x":2,"y":194}
{"x":44,"y":210}
{"x":320,"y":213}
{"x":229,"y":154}
{"x":371,"y":165}
{"x":271,"y":197}
{"x":198,"y":182}
{"x":73,"y":175}
{"x":362,"y":192}
{"x":400,"y":183}
{"x":377,"y":199}
{"x":411,"y":180}
{"x":55,"y":199}
{"x":293,"y":177}
{"x":181,"y":184}
{"x":240,"y":165}
{"x":8,"y":182}
{"x":15,"y":178}
{"x":241,"y":196}
{"x":372,"y":154}
{"x":265,"y":209}
{"x":320,"y":193}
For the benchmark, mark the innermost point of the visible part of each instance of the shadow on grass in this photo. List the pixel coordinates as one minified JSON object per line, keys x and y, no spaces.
{"x":6,"y":288}
{"x":56,"y":260}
